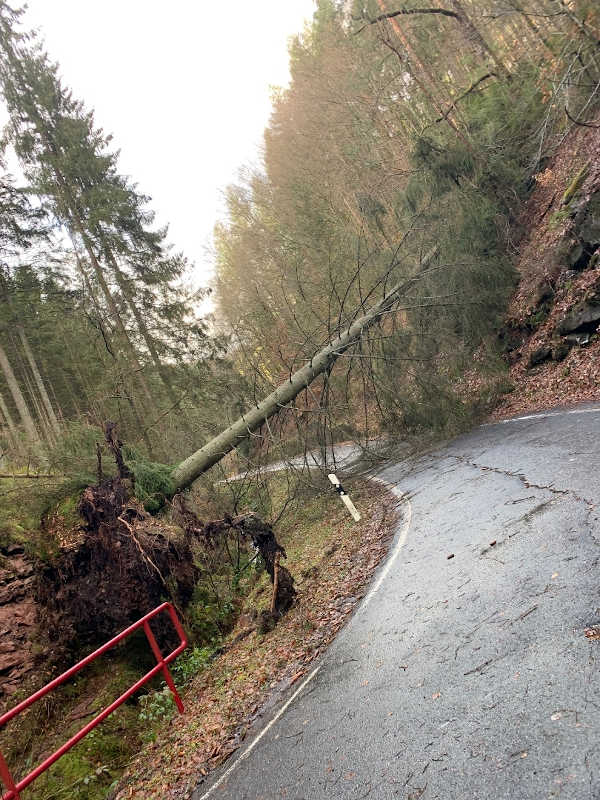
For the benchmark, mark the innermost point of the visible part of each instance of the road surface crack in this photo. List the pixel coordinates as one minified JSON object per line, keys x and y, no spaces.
{"x":525,"y":481}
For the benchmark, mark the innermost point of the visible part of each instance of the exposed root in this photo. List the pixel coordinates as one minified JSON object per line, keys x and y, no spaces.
{"x":263,"y":539}
{"x":125,"y":564}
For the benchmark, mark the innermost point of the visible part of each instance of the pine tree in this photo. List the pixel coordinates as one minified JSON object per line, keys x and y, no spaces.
{"x":68,"y":161}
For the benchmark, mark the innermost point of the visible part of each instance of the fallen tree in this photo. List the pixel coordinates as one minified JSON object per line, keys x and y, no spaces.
{"x":126,"y":553}
{"x":212,"y":452}
{"x":120,"y":532}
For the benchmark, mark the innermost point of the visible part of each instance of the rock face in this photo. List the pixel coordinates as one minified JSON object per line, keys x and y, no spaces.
{"x":580,"y":339}
{"x":584,"y":317}
{"x":18,"y":611}
{"x":586,"y":229}
{"x":539,"y":355}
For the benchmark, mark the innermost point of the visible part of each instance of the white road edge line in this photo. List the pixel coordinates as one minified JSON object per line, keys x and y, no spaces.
{"x":399,"y":544}
{"x":251,"y":747}
{"x":543,"y":416}
{"x":397,"y":550}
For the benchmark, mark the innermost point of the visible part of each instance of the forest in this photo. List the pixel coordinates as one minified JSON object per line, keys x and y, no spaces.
{"x":362,"y":276}
{"x":399,"y":153}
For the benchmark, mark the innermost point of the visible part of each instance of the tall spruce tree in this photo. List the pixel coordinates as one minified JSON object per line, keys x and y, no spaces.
{"x":69,"y":163}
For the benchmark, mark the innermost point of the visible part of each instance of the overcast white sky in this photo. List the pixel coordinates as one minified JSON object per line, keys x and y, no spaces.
{"x":183,"y":86}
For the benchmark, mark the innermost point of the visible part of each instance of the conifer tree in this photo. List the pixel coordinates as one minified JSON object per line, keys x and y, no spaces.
{"x":69,"y":163}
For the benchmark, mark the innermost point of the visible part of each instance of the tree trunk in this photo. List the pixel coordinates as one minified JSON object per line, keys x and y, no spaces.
{"x":38,"y":380}
{"x":55,"y":401}
{"x":129,"y":398}
{"x":113,"y":308}
{"x":445,"y":115}
{"x":199,"y":462}
{"x":20,"y":403}
{"x":474,"y":36}
{"x":42,"y":421}
{"x":12,"y":428}
{"x":73,"y":215}
{"x":141,"y":322}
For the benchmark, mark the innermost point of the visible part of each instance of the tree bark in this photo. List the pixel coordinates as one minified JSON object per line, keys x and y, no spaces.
{"x":38,"y":380}
{"x":12,"y":428}
{"x":199,"y":462}
{"x":26,"y":418}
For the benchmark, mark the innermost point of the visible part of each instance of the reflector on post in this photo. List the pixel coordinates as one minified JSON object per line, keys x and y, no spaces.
{"x":345,"y":499}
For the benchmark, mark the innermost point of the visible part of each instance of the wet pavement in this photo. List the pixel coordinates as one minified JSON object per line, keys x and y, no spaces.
{"x":465,"y":673}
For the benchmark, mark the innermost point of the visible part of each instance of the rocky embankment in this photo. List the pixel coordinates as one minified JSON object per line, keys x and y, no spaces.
{"x":552,"y":338}
{"x":17,"y":619}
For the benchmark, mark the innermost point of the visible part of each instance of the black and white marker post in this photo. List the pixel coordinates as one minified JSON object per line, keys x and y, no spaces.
{"x":345,"y":499}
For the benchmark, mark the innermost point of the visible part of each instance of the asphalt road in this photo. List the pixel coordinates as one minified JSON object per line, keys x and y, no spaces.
{"x":463,"y":677}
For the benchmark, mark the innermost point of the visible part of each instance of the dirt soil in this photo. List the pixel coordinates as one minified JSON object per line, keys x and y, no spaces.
{"x":223,"y":701}
{"x":17,"y":620}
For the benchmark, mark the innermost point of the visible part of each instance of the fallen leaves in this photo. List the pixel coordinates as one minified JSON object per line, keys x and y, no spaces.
{"x":297,"y":675}
{"x":222,"y":702}
{"x":577,"y":378}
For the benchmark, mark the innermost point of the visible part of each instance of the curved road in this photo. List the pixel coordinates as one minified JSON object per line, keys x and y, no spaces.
{"x":465,"y":677}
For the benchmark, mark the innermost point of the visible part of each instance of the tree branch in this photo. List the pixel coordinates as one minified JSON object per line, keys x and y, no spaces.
{"x":404,"y":11}
{"x":579,"y":122}
{"x":471,"y":88}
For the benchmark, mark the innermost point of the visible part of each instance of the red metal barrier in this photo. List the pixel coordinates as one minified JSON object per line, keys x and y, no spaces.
{"x":161,"y":666}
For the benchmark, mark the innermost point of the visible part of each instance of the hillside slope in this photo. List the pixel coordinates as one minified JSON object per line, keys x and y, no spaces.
{"x":550,"y":340}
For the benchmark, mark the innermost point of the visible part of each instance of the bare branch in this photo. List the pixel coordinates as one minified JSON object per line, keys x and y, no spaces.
{"x":405,"y":11}
{"x":471,"y":88}
{"x":579,"y":122}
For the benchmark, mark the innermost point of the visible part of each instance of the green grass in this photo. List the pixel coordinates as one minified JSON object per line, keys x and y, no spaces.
{"x":89,"y":768}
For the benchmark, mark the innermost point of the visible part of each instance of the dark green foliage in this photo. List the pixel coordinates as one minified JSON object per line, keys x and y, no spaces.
{"x":74,"y":454}
{"x":152,"y":480}
{"x":209,"y":616}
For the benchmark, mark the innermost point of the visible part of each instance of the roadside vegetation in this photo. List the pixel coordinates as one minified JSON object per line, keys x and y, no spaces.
{"x":231,"y":667}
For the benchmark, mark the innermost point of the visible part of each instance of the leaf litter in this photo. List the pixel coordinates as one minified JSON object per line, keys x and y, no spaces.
{"x":222,"y":702}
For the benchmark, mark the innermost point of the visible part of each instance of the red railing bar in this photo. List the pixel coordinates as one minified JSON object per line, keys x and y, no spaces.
{"x":160,"y":660}
{"x":7,"y":778}
{"x":85,"y":661}
{"x":14,"y":789}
